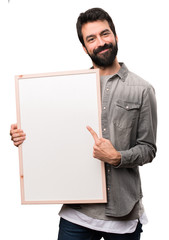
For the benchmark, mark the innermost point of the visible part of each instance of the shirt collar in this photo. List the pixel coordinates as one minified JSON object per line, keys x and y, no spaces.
{"x":122,"y":73}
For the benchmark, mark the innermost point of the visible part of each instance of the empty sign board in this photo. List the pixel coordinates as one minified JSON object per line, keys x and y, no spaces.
{"x":56,"y":159}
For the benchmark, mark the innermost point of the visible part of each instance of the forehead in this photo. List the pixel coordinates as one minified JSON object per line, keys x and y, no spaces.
{"x":94,"y":28}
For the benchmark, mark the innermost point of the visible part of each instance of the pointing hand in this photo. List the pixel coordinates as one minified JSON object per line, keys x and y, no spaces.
{"x":104,"y":150}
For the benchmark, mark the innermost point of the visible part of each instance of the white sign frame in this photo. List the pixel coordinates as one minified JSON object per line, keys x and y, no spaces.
{"x":56,"y":162}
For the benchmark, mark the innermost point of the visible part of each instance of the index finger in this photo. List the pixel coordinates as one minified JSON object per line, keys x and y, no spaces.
{"x":93,"y":133}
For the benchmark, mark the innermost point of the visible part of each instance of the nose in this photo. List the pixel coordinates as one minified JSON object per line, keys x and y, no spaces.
{"x":100,"y":41}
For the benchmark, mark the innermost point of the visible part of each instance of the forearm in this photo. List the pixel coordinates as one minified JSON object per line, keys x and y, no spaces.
{"x":137,"y":156}
{"x":145,"y":147}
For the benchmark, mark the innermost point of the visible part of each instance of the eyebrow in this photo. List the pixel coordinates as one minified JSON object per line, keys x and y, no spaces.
{"x":93,"y":35}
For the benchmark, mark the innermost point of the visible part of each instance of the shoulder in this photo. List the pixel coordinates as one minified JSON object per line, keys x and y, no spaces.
{"x":135,"y":80}
{"x":132,"y":79}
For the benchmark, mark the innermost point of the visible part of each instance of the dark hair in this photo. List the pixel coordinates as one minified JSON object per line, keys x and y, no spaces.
{"x":92,"y":15}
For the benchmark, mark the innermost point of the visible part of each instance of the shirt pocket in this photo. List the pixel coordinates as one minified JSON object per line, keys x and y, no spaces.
{"x":125,"y":114}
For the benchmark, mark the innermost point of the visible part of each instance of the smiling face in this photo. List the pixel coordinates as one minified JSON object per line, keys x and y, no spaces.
{"x":100,"y":43}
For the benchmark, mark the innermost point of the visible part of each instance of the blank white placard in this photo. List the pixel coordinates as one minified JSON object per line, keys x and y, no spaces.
{"x":56,"y":162}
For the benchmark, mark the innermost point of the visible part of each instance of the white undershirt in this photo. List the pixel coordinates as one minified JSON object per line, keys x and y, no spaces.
{"x":119,"y":227}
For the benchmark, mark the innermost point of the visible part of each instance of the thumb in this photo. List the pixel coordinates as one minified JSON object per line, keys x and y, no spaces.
{"x":13,"y":126}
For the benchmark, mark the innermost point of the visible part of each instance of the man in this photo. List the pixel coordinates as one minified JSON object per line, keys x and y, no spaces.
{"x":129,"y":124}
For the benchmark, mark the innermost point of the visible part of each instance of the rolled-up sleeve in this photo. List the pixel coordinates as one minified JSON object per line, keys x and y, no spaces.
{"x":145,"y":149}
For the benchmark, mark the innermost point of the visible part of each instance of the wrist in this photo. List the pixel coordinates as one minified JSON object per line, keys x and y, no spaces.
{"x":117,"y":159}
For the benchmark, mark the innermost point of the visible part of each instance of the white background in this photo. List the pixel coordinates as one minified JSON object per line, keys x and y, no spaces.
{"x":39,"y":36}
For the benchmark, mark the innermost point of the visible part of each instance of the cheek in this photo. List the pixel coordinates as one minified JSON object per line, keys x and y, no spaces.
{"x":90,"y":47}
{"x":89,"y":50}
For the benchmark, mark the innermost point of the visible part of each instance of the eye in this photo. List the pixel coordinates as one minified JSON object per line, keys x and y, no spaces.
{"x":91,"y":39}
{"x":105,"y":33}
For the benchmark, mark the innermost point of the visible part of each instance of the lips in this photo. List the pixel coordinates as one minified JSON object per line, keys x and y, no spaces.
{"x":103,"y":51}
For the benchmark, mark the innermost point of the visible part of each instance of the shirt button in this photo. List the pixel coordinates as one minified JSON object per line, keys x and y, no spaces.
{"x":127,"y":107}
{"x":104,"y":108}
{"x":104,"y":129}
{"x":108,"y":170}
{"x":108,"y":189}
{"x":107,"y":89}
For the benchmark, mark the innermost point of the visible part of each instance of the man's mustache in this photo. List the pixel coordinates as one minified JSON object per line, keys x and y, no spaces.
{"x":102,"y":48}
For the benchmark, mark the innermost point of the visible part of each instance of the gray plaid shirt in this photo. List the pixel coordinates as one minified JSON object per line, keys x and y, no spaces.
{"x":129,"y":121}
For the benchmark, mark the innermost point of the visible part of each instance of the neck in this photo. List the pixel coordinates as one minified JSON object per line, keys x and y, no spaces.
{"x":111,"y":70}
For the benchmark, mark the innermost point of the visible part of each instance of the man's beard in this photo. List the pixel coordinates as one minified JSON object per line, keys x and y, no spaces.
{"x":105,"y":59}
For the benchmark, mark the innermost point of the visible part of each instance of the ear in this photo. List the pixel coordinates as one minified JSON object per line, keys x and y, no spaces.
{"x":117,"y":38}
